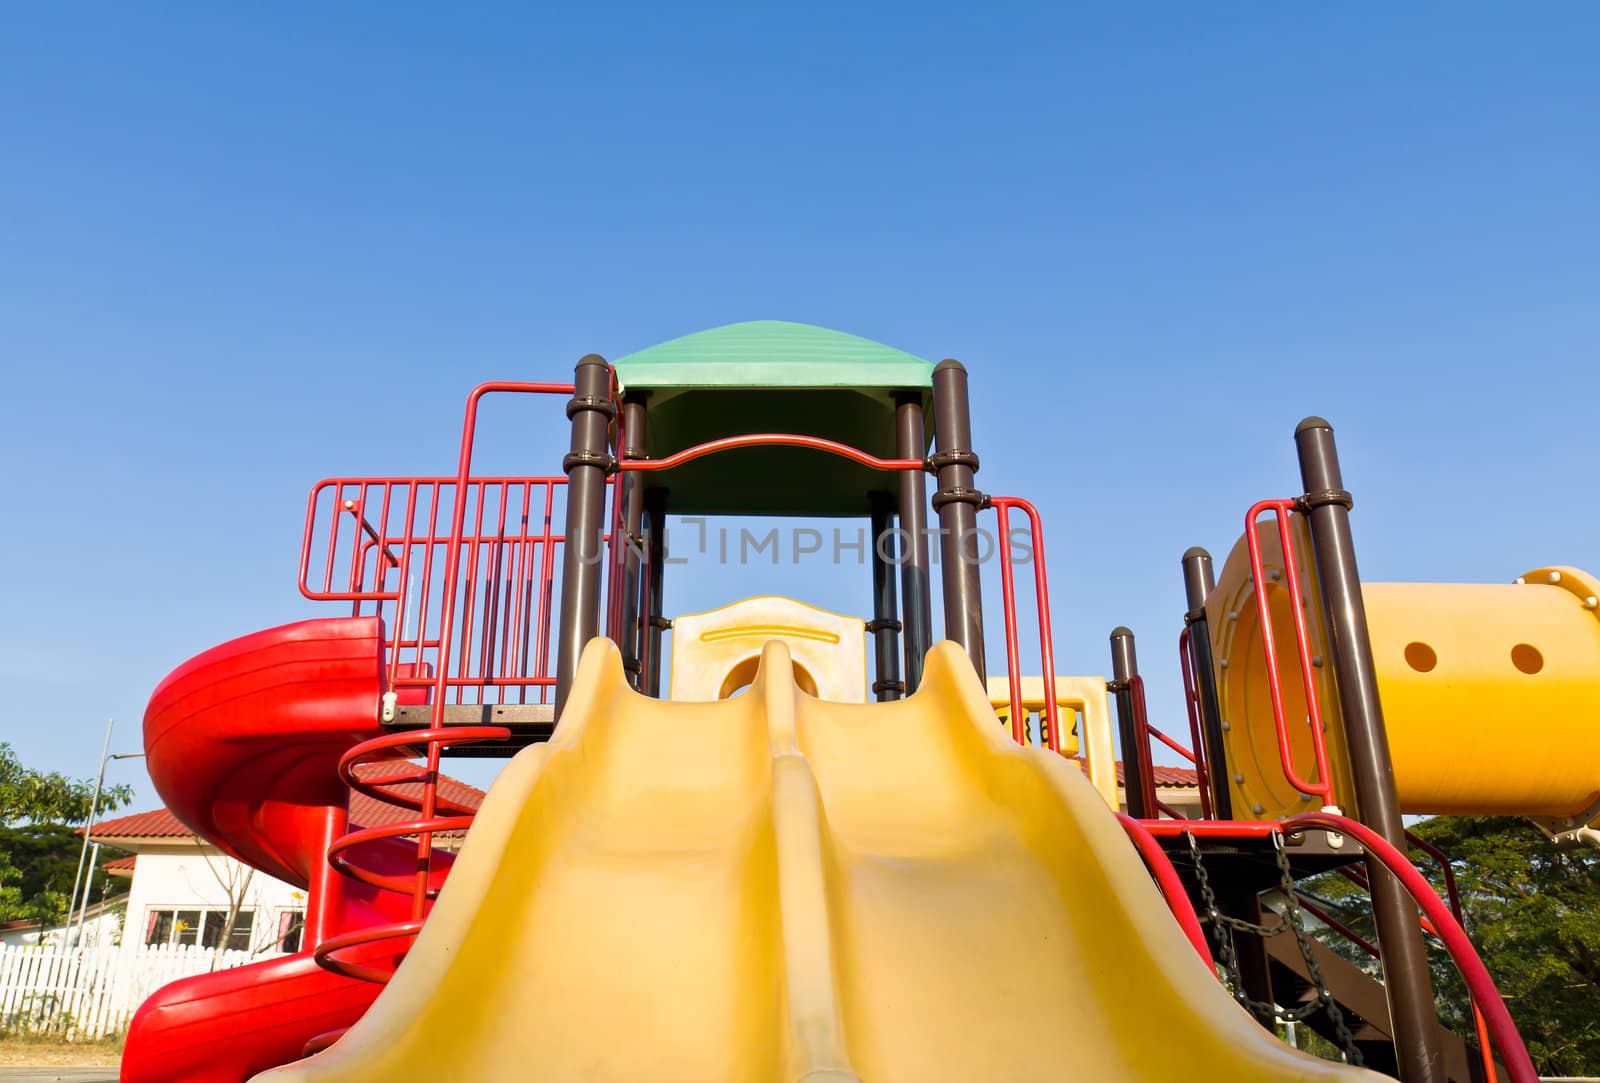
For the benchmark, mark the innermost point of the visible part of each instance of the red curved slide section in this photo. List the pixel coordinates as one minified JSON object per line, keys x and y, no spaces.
{"x":243,"y":743}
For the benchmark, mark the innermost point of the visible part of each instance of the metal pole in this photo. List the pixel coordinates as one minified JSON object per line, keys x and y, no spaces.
{"x":1124,"y":666}
{"x":912,"y":443}
{"x":88,"y":891}
{"x":1240,"y":900}
{"x":94,"y":807}
{"x":956,"y":501}
{"x":1405,"y":961}
{"x":586,"y":467}
{"x":1198,"y":582}
{"x":88,"y":880}
{"x":655,"y":504}
{"x":885,"y":623}
{"x":629,"y":635}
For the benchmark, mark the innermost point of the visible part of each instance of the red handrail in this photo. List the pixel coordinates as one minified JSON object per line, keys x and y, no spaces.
{"x":772,"y":439}
{"x":1041,"y":585}
{"x":512,"y":630}
{"x":1166,"y":877}
{"x":1191,"y":699}
{"x":452,"y":564}
{"x":1499,"y":1028}
{"x":1311,"y":907}
{"x":419,"y":884}
{"x":1142,"y":732}
{"x":1323,"y":787}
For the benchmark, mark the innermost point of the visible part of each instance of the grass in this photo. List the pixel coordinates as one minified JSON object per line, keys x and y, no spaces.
{"x":51,"y":1049}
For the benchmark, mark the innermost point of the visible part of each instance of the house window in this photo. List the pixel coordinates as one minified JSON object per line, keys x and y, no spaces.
{"x":291,"y":930}
{"x":188,"y":928}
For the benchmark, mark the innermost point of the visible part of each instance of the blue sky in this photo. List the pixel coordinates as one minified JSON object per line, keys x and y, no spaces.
{"x":241,"y":250}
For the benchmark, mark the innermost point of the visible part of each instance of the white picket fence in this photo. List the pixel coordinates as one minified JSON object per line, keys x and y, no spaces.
{"x":93,"y":991}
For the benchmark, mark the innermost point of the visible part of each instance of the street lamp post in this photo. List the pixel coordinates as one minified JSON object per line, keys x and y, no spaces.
{"x":84,"y":879}
{"x":83,"y":851}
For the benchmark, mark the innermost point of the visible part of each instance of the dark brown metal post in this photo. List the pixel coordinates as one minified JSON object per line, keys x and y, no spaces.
{"x":1198,"y":582}
{"x":1124,"y":667}
{"x":1239,"y":900}
{"x":956,"y":501}
{"x":885,"y":623}
{"x":630,"y":636}
{"x":911,"y":443}
{"x":655,"y":505}
{"x":1405,"y":961}
{"x":582,"y":557}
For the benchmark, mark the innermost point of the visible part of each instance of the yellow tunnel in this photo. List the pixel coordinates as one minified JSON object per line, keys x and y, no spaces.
{"x":1491,"y":693}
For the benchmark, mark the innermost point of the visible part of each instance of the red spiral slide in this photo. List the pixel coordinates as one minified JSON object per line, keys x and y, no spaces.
{"x":243,"y":743}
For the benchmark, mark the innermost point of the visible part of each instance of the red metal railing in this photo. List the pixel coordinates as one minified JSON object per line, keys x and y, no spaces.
{"x":1282,"y":510}
{"x":460,"y":569}
{"x":1144,"y":732}
{"x":772,"y":439}
{"x":1357,"y":874}
{"x":479,"y":628}
{"x":1171,"y":885}
{"x":398,"y":569}
{"x":1498,"y":1030}
{"x":1191,"y":700}
{"x":1008,"y":592}
{"x":419,"y":883}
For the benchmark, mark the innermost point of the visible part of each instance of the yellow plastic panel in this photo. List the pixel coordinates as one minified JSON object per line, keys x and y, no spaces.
{"x":775,"y":887}
{"x":715,"y":654}
{"x":1490,"y":692}
{"x":1084,"y":696}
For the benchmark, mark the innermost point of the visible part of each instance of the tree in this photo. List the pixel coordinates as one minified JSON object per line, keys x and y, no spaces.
{"x":234,"y":877}
{"x":40,"y":799}
{"x":1533,"y":912}
{"x":43,"y":864}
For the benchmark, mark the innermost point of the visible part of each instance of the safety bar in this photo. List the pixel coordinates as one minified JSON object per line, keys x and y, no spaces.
{"x":419,"y":885}
{"x":1499,"y":1028}
{"x":469,"y":429}
{"x":501,"y":587}
{"x":1171,"y":885}
{"x":1357,"y":874}
{"x":1143,"y":731}
{"x":1008,"y":593}
{"x":772,"y":439}
{"x":1191,"y":700}
{"x":1282,"y":509}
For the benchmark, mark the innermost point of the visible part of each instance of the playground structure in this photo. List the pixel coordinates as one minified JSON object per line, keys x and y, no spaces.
{"x":780,"y":869}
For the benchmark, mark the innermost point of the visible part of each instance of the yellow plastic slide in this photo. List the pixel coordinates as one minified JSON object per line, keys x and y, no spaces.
{"x":774,"y":887}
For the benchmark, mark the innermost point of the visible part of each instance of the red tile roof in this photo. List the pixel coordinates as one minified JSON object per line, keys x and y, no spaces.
{"x":122,"y":866}
{"x":1168,"y":776}
{"x":364,"y":811}
{"x":158,"y":824}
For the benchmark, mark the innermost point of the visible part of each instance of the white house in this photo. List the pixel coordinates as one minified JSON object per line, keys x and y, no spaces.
{"x":183,"y":889}
{"x":99,"y":923}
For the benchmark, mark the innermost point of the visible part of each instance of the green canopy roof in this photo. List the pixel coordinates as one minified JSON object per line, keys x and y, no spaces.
{"x":773,"y":376}
{"x":769,"y":354}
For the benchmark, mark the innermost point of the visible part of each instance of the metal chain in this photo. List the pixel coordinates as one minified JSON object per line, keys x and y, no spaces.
{"x":1296,"y":922}
{"x":1223,"y":926}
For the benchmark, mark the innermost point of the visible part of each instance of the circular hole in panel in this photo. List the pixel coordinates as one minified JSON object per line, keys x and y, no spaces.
{"x":1420,"y":656}
{"x":1526,"y":657}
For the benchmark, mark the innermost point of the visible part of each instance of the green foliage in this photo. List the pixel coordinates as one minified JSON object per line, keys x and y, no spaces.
{"x":43,"y":864}
{"x":47,"y":803}
{"x":48,"y":796}
{"x":1534,"y":914}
